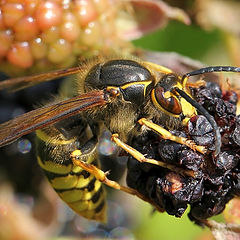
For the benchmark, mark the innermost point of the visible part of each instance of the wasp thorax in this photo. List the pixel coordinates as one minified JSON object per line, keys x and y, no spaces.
{"x":130,"y":78}
{"x":117,"y":73}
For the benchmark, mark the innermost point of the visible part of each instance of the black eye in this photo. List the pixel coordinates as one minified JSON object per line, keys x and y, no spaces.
{"x":170,"y":104}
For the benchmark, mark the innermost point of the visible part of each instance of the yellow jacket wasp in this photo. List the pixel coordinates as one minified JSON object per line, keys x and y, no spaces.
{"x":129,"y":97}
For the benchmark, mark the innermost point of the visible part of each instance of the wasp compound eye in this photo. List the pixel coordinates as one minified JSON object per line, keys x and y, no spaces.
{"x":171,"y":104}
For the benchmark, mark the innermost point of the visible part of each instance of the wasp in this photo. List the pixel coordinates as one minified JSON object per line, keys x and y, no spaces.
{"x":126,"y":96}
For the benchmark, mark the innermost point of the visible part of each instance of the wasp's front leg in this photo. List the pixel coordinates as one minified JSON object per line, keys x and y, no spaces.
{"x":141,"y":158}
{"x":169,"y":136}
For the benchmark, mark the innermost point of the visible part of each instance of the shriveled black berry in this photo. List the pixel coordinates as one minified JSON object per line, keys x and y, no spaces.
{"x":168,"y":151}
{"x":177,"y":191}
{"x":215,"y":89}
{"x":236,"y":184}
{"x":226,"y":161}
{"x":190,"y":159}
{"x":218,"y":178}
{"x":231,"y":97}
{"x":236,"y":132}
{"x":200,"y":130}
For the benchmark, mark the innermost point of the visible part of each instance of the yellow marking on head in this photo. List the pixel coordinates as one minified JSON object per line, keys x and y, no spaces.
{"x":179,"y":85}
{"x":184,"y":83}
{"x":54,"y":167}
{"x":188,"y":109}
{"x":45,"y":138}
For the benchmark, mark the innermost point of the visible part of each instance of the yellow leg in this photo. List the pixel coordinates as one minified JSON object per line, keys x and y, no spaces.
{"x":102,"y":177}
{"x":141,"y":158}
{"x":168,"y":136}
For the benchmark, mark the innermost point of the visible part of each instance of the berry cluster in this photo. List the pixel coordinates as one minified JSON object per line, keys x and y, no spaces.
{"x":41,"y":35}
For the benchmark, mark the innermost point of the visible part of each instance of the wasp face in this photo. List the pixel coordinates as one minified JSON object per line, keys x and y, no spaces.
{"x":167,"y":100}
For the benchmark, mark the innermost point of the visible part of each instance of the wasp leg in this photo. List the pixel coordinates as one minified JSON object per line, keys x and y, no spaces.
{"x":141,"y":158}
{"x":75,"y":186}
{"x":169,"y":136}
{"x":102,"y":177}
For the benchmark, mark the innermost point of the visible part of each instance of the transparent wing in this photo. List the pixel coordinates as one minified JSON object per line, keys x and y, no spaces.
{"x":44,"y":116}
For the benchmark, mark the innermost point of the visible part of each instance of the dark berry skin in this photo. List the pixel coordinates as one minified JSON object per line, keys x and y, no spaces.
{"x":218,"y":178}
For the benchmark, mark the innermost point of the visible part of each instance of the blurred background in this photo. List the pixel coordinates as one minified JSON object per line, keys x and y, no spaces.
{"x":42,"y":35}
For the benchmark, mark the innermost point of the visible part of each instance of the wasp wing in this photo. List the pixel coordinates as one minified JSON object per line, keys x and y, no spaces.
{"x":44,"y":116}
{"x":15,"y":84}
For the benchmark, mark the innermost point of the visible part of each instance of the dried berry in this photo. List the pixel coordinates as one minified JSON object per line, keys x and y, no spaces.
{"x":218,"y":178}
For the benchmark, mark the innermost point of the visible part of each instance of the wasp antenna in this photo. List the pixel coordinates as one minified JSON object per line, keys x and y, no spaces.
{"x":210,"y":118}
{"x":210,"y":70}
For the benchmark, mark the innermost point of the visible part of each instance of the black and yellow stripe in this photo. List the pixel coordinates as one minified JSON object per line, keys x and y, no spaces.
{"x":75,"y":186}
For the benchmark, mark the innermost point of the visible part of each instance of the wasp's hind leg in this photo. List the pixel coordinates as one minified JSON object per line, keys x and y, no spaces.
{"x":141,"y":158}
{"x":77,"y":158}
{"x":75,"y":186}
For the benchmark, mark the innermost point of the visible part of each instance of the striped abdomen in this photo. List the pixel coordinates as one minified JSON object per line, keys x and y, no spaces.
{"x":75,"y":186}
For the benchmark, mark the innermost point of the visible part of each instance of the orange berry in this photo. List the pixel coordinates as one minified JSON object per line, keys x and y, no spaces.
{"x":31,"y":6}
{"x":12,"y":13}
{"x":6,"y":38}
{"x":50,"y":35}
{"x":70,"y":29}
{"x":2,"y":27}
{"x":48,"y":14}
{"x":38,"y":48}
{"x":85,"y":11}
{"x":26,"y":29}
{"x":59,"y":50}
{"x":20,"y":55}
{"x":91,"y":33}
